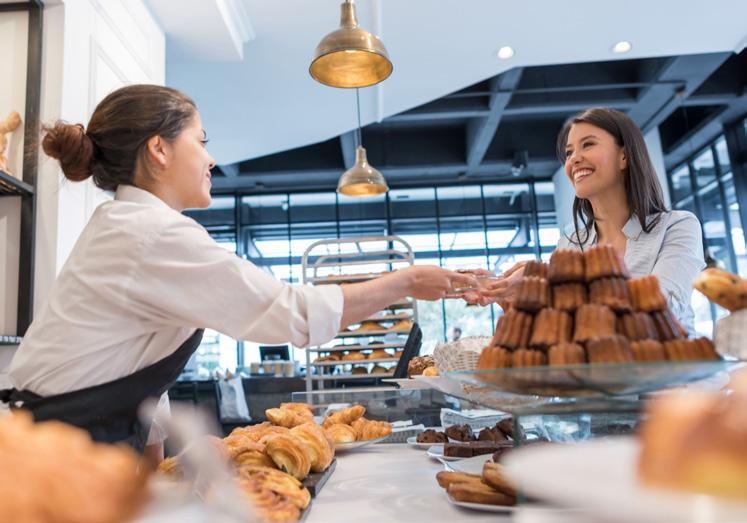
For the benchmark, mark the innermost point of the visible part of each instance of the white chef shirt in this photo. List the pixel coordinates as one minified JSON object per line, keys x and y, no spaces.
{"x":139,"y":281}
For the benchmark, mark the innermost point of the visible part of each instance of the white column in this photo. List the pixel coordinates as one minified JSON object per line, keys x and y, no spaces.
{"x":653,"y":143}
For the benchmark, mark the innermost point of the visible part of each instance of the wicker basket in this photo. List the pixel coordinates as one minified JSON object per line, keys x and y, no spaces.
{"x":461,"y":355}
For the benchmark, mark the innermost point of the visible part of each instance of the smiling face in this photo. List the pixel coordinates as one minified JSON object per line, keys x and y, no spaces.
{"x":594,"y":162}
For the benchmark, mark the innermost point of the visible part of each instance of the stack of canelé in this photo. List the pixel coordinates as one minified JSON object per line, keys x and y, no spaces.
{"x":583,"y":307}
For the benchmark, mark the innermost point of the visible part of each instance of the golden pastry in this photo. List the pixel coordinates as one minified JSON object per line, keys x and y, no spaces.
{"x":378,"y":369}
{"x":278,"y":482}
{"x":402,"y":326}
{"x":302,"y":408}
{"x":446,"y":478}
{"x":430,"y":371}
{"x":368,"y":429}
{"x":341,"y":433}
{"x":723,"y":288}
{"x":479,"y":493}
{"x":320,"y":447}
{"x":171,"y":468}
{"x":287,"y":418}
{"x":358,"y":371}
{"x":258,"y":432}
{"x":379,"y":354}
{"x":346,"y":416}
{"x":269,"y":506}
{"x":290,"y":455}
{"x":494,"y":476}
{"x":368,"y":326}
{"x":354,"y":356}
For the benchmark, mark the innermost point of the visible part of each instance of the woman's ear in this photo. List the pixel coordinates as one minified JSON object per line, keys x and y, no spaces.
{"x":623,"y":159}
{"x":155,"y":152}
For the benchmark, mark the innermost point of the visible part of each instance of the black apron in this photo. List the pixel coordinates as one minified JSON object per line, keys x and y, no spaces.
{"x":109,"y":411}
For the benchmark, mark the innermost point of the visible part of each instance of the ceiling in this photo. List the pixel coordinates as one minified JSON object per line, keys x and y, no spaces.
{"x":261,"y":100}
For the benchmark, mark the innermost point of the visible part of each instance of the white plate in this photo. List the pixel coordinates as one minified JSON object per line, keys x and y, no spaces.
{"x":602,"y":476}
{"x":437,"y":452}
{"x":342,"y":447}
{"x":471,"y":465}
{"x":481,"y":506}
{"x":413,"y":440}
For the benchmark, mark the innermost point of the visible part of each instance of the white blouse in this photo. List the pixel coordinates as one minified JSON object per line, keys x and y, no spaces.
{"x":139,"y":281}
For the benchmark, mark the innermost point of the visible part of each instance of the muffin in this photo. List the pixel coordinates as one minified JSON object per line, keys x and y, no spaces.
{"x":550,"y":328}
{"x":566,"y":265}
{"x":512,"y":330}
{"x":566,"y":354}
{"x":637,"y":326}
{"x":604,"y":261}
{"x":667,"y":325}
{"x":612,"y":292}
{"x":460,"y":433}
{"x":645,"y":294}
{"x":528,"y":358}
{"x":431,"y":436}
{"x":690,"y":350}
{"x":609,"y":349}
{"x":532,"y":294}
{"x":647,"y":350}
{"x":593,"y":321}
{"x":535,"y":268}
{"x":494,"y":358}
{"x":569,"y":296}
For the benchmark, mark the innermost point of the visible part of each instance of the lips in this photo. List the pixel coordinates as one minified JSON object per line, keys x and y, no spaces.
{"x":580,"y":174}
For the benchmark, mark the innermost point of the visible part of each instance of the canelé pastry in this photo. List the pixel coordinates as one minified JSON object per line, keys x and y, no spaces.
{"x":647,"y":350}
{"x":667,"y":325}
{"x":512,"y":330}
{"x":431,"y":436}
{"x":697,"y":442}
{"x":604,"y":261}
{"x":550,"y":328}
{"x":593,"y":321}
{"x":494,"y":358}
{"x":645,"y":293}
{"x":566,"y":354}
{"x":612,"y":292}
{"x":535,"y":268}
{"x":609,"y":349}
{"x":491,"y":434}
{"x":566,"y":265}
{"x":460,"y":433}
{"x":687,"y":350}
{"x":528,"y":358}
{"x":379,"y":354}
{"x":418,"y":364}
{"x":637,"y":326}
{"x":569,"y":296}
{"x":532,"y":294}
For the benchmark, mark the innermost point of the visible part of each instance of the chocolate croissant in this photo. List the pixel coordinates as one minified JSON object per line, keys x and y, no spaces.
{"x":290,"y":455}
{"x":320,"y":447}
{"x":341,"y":433}
{"x":346,"y":416}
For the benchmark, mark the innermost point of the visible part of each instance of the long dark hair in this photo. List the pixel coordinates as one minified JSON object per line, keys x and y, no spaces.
{"x":122,"y":123}
{"x":642,"y":187}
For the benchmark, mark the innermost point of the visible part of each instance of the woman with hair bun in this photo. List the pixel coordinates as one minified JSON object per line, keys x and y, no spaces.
{"x":128,"y":308}
{"x":619,"y":202}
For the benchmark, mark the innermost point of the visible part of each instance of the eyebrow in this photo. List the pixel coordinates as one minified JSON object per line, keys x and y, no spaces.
{"x":582,"y":139}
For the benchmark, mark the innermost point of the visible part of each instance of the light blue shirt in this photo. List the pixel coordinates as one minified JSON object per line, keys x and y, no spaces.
{"x":672,"y":251}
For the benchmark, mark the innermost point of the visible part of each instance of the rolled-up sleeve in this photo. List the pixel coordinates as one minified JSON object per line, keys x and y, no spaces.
{"x":679,"y":261}
{"x":188,"y":280}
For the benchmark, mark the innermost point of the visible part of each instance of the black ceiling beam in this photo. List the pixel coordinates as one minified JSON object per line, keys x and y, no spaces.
{"x":347,"y":144}
{"x":229,"y":170}
{"x":480,"y":132}
{"x":663,"y":96}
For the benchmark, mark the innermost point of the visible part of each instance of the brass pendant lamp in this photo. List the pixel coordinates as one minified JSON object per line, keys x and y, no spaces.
{"x":350,"y":56}
{"x":361,"y":179}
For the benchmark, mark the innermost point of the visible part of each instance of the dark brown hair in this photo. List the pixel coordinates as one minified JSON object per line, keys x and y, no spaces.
{"x":111,"y":147}
{"x":642,"y":187}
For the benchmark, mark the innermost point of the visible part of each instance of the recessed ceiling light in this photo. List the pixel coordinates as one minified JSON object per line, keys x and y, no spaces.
{"x":622,"y":47}
{"x":505,"y":52}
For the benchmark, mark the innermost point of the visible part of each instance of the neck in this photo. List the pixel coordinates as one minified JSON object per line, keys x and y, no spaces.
{"x":611,"y":213}
{"x":163,"y":192}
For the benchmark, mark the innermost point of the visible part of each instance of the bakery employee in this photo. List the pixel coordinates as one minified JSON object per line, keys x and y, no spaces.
{"x":619,"y":202}
{"x":128,"y":307}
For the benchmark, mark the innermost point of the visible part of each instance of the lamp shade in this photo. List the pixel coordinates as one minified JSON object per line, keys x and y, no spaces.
{"x":350,"y":56}
{"x":361,"y":179}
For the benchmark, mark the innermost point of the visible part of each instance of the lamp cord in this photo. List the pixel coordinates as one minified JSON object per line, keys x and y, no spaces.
{"x":358,"y":105}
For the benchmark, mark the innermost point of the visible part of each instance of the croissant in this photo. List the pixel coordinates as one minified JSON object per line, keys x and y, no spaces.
{"x":346,"y":416}
{"x":278,"y":482}
{"x":286,"y":417}
{"x":320,"y":447}
{"x":289,"y":454}
{"x":367,"y":429}
{"x":171,"y":468}
{"x":341,"y":433}
{"x":271,"y":507}
{"x":301,"y":408}
{"x":254,"y":457}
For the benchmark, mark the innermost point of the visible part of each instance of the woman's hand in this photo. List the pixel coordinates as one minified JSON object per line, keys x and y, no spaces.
{"x":503,"y":291}
{"x":425,"y":282}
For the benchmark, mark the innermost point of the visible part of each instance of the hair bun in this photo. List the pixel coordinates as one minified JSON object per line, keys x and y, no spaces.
{"x":72,"y":147}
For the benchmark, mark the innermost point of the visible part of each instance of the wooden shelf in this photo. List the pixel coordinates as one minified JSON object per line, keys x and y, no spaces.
{"x":353,"y":362}
{"x":12,"y":186}
{"x":10,"y":340}
{"x":359,"y":347}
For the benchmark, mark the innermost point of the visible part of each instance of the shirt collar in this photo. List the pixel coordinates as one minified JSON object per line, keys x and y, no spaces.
{"x":130,"y":193}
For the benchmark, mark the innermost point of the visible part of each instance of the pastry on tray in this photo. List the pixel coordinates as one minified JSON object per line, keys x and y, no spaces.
{"x":491,"y":434}
{"x":346,"y":416}
{"x":430,"y":371}
{"x":647,"y":350}
{"x":379,"y":369}
{"x":366,"y":429}
{"x":354,"y":356}
{"x":379,"y":354}
{"x":359,"y":371}
{"x":402,"y":326}
{"x":690,"y":350}
{"x":431,"y":436}
{"x":418,"y":364}
{"x":479,"y":493}
{"x":667,"y":325}
{"x":341,"y":433}
{"x":528,"y":358}
{"x":368,"y":326}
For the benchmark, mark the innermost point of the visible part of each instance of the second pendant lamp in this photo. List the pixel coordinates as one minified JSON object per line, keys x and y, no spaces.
{"x":351,"y":57}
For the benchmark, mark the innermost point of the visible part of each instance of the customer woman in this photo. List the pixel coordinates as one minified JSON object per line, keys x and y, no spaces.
{"x":128,"y":307}
{"x":619,"y":202}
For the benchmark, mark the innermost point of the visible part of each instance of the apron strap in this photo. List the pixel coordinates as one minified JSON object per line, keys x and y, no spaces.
{"x":109,"y":411}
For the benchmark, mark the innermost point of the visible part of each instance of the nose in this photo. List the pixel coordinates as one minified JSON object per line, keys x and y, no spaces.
{"x":575,"y":157}
{"x":212,"y":162}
